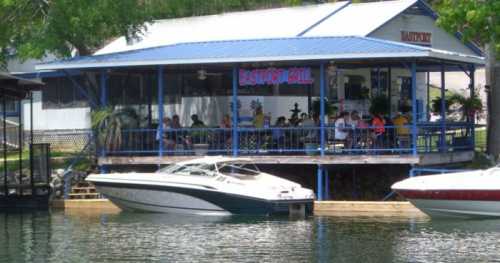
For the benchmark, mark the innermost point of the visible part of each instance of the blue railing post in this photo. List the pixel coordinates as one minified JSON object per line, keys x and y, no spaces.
{"x":235,"y":141}
{"x":443,"y":110}
{"x":160,"y":111}
{"x":472,"y":71}
{"x":322,"y":107}
{"x":414,"y":106}
{"x":104,"y":102}
{"x":319,"y":178}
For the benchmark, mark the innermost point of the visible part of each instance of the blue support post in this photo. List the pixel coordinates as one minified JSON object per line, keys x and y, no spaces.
{"x":472,"y":70}
{"x":327,"y":185}
{"x":379,"y":90}
{"x":319,"y":178}
{"x":235,"y":141}
{"x":443,"y":110}
{"x":428,"y":109}
{"x":160,"y":111}
{"x":322,"y":107}
{"x":414,"y":106}
{"x":103,"y":102}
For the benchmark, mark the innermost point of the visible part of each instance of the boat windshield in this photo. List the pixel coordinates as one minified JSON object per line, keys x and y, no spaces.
{"x":197,"y":169}
{"x":238,"y":170}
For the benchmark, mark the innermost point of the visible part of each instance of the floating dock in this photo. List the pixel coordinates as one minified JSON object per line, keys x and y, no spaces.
{"x":321,"y":208}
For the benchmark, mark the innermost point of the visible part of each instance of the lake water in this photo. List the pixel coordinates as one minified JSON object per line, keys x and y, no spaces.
{"x":127,"y":237}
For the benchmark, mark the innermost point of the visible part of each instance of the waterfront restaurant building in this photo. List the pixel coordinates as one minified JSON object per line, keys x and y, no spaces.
{"x":260,"y":67}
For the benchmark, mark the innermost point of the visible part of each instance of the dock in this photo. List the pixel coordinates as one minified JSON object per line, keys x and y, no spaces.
{"x":321,"y":208}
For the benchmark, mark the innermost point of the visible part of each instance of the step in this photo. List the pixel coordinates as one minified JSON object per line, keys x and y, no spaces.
{"x":84,"y":195}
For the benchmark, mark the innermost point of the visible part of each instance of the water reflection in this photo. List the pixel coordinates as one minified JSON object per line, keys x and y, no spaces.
{"x":103,"y":237}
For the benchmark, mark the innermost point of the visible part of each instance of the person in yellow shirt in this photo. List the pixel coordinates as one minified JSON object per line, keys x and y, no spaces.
{"x":258,"y":119}
{"x":401,"y":123}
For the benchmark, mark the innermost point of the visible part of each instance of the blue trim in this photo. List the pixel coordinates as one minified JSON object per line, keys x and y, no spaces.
{"x":414,"y":106}
{"x":235,"y":141}
{"x":324,"y":19}
{"x":160,"y":110}
{"x":322,"y":107}
{"x":428,"y":96}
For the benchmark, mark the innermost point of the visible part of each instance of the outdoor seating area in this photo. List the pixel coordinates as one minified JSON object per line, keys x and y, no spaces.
{"x":364,"y":137}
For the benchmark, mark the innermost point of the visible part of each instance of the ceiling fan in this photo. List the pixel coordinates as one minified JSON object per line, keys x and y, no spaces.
{"x":203,"y":74}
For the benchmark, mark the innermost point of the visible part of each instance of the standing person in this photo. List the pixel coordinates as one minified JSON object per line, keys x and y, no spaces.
{"x":401,"y":122}
{"x":378,"y":126}
{"x":175,"y":122}
{"x":225,"y":139}
{"x":226,"y":122}
{"x":258,"y":119}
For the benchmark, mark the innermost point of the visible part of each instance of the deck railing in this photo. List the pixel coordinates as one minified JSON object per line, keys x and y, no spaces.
{"x":293,"y":141}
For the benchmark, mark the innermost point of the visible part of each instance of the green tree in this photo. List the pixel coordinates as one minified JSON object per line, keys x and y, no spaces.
{"x":34,"y":28}
{"x":479,"y":20}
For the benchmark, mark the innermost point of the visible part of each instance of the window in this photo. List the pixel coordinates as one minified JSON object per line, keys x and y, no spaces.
{"x":61,"y":93}
{"x":355,"y":88}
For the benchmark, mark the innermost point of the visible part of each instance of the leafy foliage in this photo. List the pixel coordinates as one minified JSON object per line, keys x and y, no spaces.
{"x":380,"y":105}
{"x":467,"y":107}
{"x":109,"y":122}
{"x":35,"y":28}
{"x":475,"y":19}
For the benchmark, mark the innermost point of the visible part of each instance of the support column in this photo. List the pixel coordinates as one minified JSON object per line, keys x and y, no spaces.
{"x":20,"y":138}
{"x":327,"y":184}
{"x":389,"y":89}
{"x":31,"y":141}
{"x":322,"y":107}
{"x":4,"y":127}
{"x":234,"y":101}
{"x":319,"y":183}
{"x":472,"y":72}
{"x":379,"y":90}
{"x":103,"y":102}
{"x":160,"y":111}
{"x":414,"y":106}
{"x":443,"y":110}
{"x":428,"y":109}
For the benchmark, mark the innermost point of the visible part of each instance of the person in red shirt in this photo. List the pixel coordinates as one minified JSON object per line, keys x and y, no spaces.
{"x":378,"y":126}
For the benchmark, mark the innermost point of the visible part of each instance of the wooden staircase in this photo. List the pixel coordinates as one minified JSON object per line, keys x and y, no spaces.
{"x":84,"y":190}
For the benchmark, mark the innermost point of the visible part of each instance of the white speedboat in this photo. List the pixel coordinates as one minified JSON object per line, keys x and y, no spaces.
{"x":210,"y":185}
{"x":463,"y":194}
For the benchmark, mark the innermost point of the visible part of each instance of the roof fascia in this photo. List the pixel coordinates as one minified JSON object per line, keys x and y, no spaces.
{"x":345,"y":56}
{"x":324,"y":18}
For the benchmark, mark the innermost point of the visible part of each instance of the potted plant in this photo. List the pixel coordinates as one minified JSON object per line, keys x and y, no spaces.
{"x":380,"y":105}
{"x":108,"y":123}
{"x":199,"y":139}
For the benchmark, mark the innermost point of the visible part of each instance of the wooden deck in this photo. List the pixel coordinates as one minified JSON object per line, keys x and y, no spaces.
{"x":422,"y":159}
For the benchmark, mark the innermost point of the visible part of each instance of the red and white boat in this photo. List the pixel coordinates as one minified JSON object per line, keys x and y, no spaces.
{"x":463,"y":194}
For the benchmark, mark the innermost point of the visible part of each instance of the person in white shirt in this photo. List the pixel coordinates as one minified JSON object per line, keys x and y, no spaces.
{"x":342,"y":126}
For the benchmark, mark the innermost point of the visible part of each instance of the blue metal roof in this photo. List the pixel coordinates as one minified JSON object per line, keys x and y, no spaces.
{"x":256,"y":50}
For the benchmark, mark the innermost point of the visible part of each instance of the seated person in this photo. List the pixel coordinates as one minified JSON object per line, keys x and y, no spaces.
{"x":279,"y":134}
{"x":197,"y":123}
{"x":168,"y":140}
{"x":342,"y":126}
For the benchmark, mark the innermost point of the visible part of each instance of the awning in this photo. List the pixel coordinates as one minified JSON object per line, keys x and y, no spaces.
{"x":262,"y":50}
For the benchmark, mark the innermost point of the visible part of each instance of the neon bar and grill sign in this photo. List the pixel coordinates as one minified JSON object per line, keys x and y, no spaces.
{"x":273,"y":76}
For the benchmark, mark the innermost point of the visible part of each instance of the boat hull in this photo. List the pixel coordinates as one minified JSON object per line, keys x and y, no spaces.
{"x":457,"y":208}
{"x":166,"y":199}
